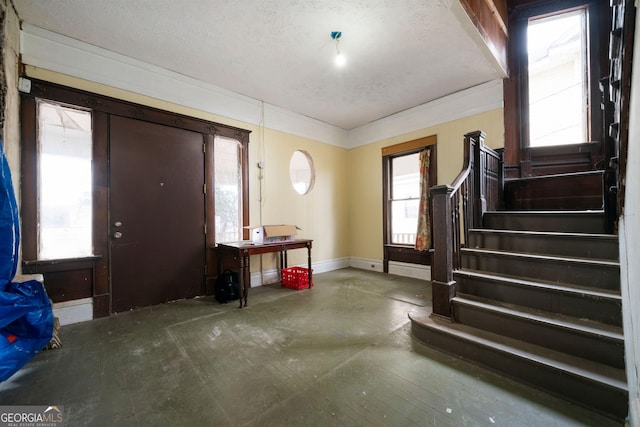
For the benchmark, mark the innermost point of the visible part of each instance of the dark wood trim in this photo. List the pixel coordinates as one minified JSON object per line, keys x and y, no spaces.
{"x":95,"y":102}
{"x":407,"y":254}
{"x":101,"y":225}
{"x":29,"y":168}
{"x":410,"y":146}
{"x":556,"y":192}
{"x":457,"y":208}
{"x":490,"y":19}
{"x":518,"y":156}
{"x":97,"y":284}
{"x":397,"y":252}
{"x":101,"y":305}
{"x":54,"y":265}
{"x":245,"y":184}
{"x":210,"y":213}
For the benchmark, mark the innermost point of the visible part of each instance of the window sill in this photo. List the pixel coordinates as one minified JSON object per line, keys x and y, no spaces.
{"x":49,"y":265}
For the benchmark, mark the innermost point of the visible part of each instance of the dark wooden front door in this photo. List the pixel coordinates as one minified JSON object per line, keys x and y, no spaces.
{"x":157,"y":213}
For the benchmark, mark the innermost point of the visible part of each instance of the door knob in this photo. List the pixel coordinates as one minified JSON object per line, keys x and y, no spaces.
{"x":117,"y":235}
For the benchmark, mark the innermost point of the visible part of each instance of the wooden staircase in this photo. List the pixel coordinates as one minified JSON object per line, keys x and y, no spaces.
{"x":538,"y":299}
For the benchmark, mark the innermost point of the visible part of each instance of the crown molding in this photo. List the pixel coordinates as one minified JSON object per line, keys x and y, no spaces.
{"x":62,"y":54}
{"x":51,"y":51}
{"x":468,"y":102}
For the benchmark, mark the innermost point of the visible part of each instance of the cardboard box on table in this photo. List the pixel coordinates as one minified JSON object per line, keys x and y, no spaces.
{"x":265,"y":234}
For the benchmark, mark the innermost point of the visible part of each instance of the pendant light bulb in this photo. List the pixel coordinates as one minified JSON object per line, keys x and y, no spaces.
{"x":340,"y":58}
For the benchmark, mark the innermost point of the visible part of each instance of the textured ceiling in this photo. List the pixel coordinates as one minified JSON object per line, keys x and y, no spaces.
{"x":400,"y":53}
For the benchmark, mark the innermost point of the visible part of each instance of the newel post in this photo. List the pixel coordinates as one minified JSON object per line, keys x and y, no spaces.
{"x":479,"y":176}
{"x":443,"y":287}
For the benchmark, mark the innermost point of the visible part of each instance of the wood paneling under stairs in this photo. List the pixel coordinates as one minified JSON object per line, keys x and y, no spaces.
{"x":576,"y":191}
{"x":538,"y":299}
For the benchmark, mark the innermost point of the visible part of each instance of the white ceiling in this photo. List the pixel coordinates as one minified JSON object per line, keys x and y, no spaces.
{"x":400,"y":53}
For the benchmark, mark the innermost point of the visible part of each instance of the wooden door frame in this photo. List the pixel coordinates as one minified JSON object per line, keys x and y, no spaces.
{"x":397,"y":252}
{"x":520,"y":159}
{"x":97,"y":266}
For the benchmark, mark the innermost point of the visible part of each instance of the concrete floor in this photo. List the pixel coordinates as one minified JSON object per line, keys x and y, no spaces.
{"x":340,"y":354}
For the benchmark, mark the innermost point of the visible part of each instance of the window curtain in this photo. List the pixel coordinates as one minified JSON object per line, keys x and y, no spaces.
{"x":423,"y":234}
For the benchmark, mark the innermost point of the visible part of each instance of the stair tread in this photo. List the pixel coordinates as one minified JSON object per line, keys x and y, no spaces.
{"x":603,"y":330}
{"x":582,"y":245}
{"x":555,"y":286}
{"x":599,"y":236}
{"x":556,"y":175}
{"x":612,"y":377}
{"x":594,"y":212}
{"x":568,"y":259}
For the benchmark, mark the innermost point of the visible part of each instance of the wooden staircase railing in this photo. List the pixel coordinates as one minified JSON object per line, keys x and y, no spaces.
{"x":458,"y":207}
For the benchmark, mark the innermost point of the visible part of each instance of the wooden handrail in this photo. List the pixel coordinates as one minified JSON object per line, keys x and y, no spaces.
{"x":473,"y":191}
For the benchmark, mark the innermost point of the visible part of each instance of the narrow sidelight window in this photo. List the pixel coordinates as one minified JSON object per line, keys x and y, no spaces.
{"x":228,"y":189}
{"x":558,"y":76}
{"x":64,"y":182}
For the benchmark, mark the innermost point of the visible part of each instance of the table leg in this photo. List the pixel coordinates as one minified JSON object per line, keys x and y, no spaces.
{"x":309,"y":261}
{"x":245,"y":281}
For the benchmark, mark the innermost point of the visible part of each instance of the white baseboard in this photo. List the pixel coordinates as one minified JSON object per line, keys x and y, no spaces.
{"x":367,"y":264}
{"x":19,"y":278}
{"x":634,"y":412}
{"x":272,"y":275}
{"x":416,"y":271}
{"x":69,"y":312}
{"x":74,"y":311}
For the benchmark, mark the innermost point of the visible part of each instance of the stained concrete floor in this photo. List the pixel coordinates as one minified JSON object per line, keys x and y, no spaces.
{"x":340,"y":354}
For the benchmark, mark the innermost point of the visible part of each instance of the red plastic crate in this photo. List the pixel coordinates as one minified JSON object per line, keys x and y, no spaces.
{"x":296,"y":278}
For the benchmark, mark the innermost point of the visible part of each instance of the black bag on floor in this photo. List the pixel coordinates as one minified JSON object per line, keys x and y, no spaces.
{"x":226,"y":288}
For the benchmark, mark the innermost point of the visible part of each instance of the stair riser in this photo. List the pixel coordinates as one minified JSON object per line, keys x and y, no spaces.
{"x":573,"y":246}
{"x":578,"y":305}
{"x":582,"y":274}
{"x":587,"y":346}
{"x":566,"y":223}
{"x":583,"y":391}
{"x":556,"y":192}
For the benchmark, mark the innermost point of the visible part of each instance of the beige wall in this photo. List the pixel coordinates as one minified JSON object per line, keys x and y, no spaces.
{"x":343,"y":212}
{"x":10,"y":51}
{"x":322,"y":213}
{"x":365,"y":175}
{"x":11,"y":126}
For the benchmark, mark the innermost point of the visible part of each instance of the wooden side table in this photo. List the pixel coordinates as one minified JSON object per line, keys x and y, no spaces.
{"x":242,"y":250}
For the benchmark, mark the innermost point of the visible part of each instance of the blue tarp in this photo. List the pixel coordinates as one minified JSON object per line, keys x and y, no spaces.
{"x":26,"y":317}
{"x":9,"y":223}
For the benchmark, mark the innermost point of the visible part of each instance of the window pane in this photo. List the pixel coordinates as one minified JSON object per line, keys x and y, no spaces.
{"x":405,"y":177}
{"x":405,"y":195}
{"x":65,"y":184}
{"x":228,"y":191}
{"x":404,"y":221}
{"x":557,"y":79}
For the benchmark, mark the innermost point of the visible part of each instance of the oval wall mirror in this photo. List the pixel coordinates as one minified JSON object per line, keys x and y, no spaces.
{"x":301,"y":171}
